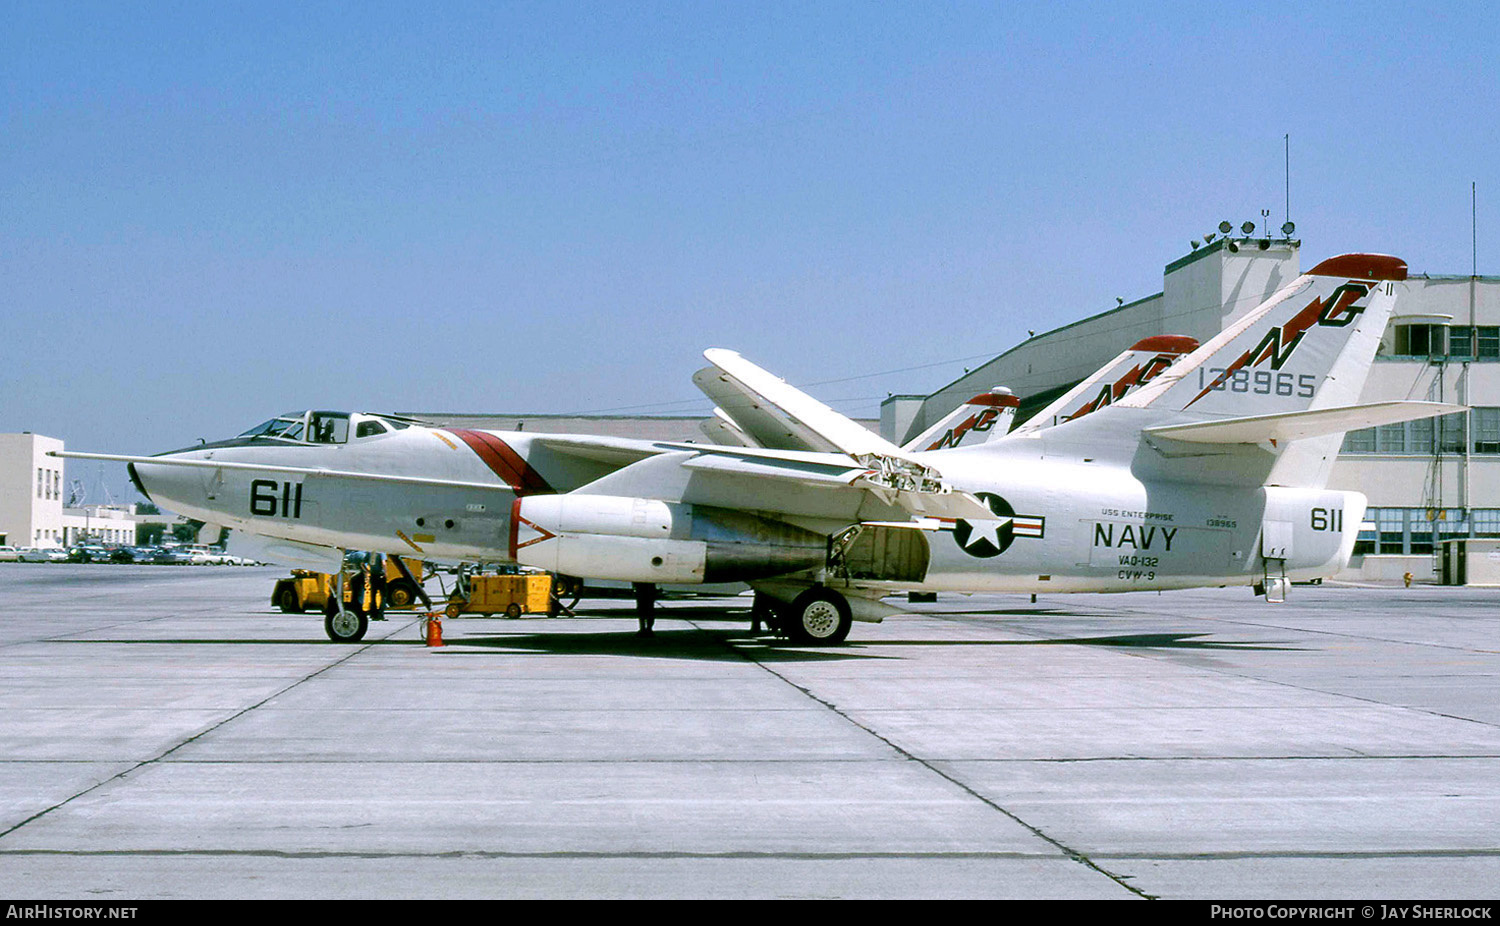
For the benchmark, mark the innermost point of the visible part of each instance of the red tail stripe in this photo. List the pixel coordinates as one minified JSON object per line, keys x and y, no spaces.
{"x":1362,"y":267}
{"x":995,"y":400}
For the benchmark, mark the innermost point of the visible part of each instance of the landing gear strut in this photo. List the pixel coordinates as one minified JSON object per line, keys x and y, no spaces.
{"x":645,"y":607}
{"x":341,"y":624}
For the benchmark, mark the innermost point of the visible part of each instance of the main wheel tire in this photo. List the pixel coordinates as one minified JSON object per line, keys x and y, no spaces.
{"x":289,"y":601}
{"x":400,"y":594}
{"x":512,"y":610}
{"x":567,"y":590}
{"x":346,"y":626}
{"x":818,"y":616}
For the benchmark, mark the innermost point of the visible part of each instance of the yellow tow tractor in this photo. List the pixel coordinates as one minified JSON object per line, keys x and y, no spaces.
{"x":312,"y":591}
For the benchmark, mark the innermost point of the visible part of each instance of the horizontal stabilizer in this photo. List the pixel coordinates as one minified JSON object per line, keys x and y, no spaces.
{"x":1290,"y":426}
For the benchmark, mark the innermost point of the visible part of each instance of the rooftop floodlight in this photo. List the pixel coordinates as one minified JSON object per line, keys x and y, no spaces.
{"x":1225,"y":227}
{"x":1265,"y":244}
{"x":1234,"y":247}
{"x":1248,"y":227}
{"x":1208,"y":237}
{"x":1194,"y":244}
{"x":1287,"y":228}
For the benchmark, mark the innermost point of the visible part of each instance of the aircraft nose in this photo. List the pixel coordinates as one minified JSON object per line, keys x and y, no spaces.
{"x":176,"y":488}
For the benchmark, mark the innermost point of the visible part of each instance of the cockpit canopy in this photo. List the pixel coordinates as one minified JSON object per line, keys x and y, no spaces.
{"x":316,"y":427}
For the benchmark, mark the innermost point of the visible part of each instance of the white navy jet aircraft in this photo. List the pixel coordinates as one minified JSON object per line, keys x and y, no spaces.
{"x":1177,"y":465}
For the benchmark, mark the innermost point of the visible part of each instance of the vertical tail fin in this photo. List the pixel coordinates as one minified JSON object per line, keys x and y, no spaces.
{"x":1301,"y":355}
{"x":1309,"y":346}
{"x":983,"y":418}
{"x":1126,"y":373}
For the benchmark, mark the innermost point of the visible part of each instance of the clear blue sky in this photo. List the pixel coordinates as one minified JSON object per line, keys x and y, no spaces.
{"x":214,"y":212}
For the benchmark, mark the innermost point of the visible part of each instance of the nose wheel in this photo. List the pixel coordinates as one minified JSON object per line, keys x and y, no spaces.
{"x":345,"y":626}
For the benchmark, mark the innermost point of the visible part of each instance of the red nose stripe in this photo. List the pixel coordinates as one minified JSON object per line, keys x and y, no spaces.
{"x":503,"y":461}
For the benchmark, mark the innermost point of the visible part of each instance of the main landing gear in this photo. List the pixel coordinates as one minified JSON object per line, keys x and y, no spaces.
{"x":818,"y":616}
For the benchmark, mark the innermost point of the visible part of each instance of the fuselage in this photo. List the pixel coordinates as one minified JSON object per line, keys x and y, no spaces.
{"x":1064,"y":520}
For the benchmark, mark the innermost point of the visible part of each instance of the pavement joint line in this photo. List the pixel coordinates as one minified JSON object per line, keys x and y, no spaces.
{"x":496,"y":854}
{"x":843,"y":760}
{"x":191,"y":739}
{"x":828,"y":760}
{"x":1067,"y":851}
{"x":752,"y":855}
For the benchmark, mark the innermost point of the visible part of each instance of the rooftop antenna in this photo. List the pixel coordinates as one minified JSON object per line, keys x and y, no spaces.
{"x":109,"y":497}
{"x":1287,"y":139}
{"x":1474,"y":228}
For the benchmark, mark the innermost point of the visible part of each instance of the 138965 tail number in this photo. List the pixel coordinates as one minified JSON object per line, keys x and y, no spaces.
{"x":1258,"y":382}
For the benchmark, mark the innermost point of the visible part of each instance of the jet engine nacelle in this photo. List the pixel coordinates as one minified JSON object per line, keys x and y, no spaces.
{"x":647,"y":540}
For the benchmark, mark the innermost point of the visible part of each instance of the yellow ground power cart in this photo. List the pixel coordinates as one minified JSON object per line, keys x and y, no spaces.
{"x":310,"y":591}
{"x":511,"y":595}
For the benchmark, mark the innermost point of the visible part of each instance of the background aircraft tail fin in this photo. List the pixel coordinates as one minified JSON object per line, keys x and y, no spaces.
{"x":983,"y":418}
{"x":1128,"y":372}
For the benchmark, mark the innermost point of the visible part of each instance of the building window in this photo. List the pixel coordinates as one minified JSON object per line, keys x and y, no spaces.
{"x":1367,"y":540}
{"x":1474,"y":343}
{"x":1489,"y":342}
{"x":1421,"y":340}
{"x":1426,"y":436}
{"x":1486,"y":425}
{"x":1451,"y":524}
{"x":1420,"y":434}
{"x":1361,"y":441}
{"x":1453,"y":437}
{"x":1391,"y":524}
{"x":1486,"y":522}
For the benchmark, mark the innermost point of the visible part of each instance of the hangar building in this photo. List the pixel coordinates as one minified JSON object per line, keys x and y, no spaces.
{"x":1427,"y":481}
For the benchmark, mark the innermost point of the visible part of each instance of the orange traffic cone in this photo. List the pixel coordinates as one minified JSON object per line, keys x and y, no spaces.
{"x":434,"y":630}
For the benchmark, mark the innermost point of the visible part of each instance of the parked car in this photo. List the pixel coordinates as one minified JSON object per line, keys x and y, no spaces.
{"x":164,"y":556}
{"x":88,"y":553}
{"x":41,"y":555}
{"x":9,"y":554}
{"x":200,"y":555}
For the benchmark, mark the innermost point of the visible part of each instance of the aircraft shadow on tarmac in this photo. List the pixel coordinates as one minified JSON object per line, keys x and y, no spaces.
{"x":702,"y":645}
{"x":1136,"y":640}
